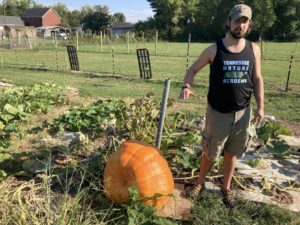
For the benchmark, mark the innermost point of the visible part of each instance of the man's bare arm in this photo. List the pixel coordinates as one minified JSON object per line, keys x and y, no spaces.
{"x":258,"y":89}
{"x":205,"y":58}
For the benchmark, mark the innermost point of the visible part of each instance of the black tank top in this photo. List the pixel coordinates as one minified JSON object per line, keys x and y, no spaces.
{"x":231,"y":83}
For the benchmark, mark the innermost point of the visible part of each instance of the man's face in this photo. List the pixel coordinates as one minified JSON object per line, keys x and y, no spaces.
{"x":239,"y":28}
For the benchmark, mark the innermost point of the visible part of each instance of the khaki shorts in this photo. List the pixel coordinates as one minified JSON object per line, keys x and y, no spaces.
{"x":228,"y":131}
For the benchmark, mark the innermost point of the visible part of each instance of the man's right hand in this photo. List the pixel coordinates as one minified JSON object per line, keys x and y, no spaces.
{"x":186,"y":93}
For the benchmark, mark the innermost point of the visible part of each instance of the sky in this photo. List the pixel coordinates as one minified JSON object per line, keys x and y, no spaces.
{"x":133,"y":10}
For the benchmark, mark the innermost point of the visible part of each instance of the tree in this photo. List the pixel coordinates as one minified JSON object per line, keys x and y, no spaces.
{"x":22,"y":5}
{"x":287,"y":23}
{"x":63,"y":12}
{"x":263,"y":16}
{"x":211,"y":17}
{"x":174,"y":17}
{"x":74,"y":18}
{"x":168,"y":14}
{"x":10,"y":8}
{"x":118,"y":18}
{"x":61,"y":9}
{"x":15,"y":7}
{"x":146,"y":28}
{"x":37,"y":5}
{"x":85,"y":10}
{"x":97,"y":19}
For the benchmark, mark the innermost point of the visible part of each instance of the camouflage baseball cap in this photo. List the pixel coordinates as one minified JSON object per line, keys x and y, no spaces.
{"x":239,"y":11}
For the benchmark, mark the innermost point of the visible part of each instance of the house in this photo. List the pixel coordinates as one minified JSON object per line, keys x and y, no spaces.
{"x":79,"y":30}
{"x":14,"y":33}
{"x":121,"y":28}
{"x":11,"y":21}
{"x":52,"y":31}
{"x":39,"y":17}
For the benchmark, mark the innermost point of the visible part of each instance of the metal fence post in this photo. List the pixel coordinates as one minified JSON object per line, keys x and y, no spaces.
{"x":113,"y":59}
{"x":188,"y":52}
{"x":162,"y":112}
{"x":289,"y":73}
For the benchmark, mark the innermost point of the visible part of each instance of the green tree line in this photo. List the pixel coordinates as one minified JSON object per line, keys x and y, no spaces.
{"x":93,"y":18}
{"x":175,"y":19}
{"x":204,"y":19}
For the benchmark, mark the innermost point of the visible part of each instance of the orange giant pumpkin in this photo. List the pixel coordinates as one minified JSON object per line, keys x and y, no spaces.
{"x":139,"y":165}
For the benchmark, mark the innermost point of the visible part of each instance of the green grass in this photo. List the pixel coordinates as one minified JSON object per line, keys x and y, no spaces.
{"x":208,"y":209}
{"x":282,"y":105}
{"x":170,"y":61}
{"x":35,"y":202}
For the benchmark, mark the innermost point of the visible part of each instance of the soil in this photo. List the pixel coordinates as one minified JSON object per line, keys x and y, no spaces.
{"x":293,"y":126}
{"x":28,"y":143}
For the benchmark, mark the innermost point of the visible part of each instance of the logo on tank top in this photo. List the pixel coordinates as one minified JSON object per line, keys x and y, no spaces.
{"x":235,"y":71}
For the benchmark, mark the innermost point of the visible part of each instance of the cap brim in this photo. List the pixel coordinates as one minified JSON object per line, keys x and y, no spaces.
{"x":237,"y":16}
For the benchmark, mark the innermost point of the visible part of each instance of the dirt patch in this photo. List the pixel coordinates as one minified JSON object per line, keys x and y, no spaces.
{"x":293,"y":126}
{"x":5,"y":85}
{"x":27,"y":143}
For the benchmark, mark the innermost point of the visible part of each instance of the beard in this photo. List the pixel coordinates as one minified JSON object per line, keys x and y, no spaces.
{"x":237,"y":33}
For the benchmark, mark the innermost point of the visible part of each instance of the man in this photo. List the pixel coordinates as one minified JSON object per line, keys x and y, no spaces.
{"x":234,"y":73}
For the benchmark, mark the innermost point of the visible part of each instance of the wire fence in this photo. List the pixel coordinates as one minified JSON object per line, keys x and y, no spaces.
{"x":118,"y":56}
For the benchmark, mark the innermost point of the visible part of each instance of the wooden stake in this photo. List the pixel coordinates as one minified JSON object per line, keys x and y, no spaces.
{"x":156,"y":39}
{"x":127,"y":42}
{"x":113,"y":59}
{"x":77,"y":44}
{"x":101,"y":41}
{"x":289,"y":72}
{"x":188,"y":52}
{"x":56,"y":58}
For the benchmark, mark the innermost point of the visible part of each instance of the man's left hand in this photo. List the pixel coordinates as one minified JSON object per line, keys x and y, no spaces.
{"x":259,"y":116}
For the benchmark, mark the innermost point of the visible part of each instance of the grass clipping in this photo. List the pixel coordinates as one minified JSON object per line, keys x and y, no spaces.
{"x":31,"y":203}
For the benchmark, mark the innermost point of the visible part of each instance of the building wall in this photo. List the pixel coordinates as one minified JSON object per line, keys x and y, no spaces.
{"x":119,"y":31}
{"x":51,"y":18}
{"x":34,"y":21}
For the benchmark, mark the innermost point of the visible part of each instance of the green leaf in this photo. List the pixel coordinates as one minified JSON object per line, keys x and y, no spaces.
{"x":3,"y":174}
{"x":256,"y":163}
{"x":5,"y":156}
{"x":264,"y":133}
{"x":279,"y":148}
{"x":134,"y":193}
{"x":7,"y":117}
{"x":12,"y":127}
{"x":1,"y":126}
{"x":271,"y":130}
{"x":187,"y":160}
{"x":11,"y":109}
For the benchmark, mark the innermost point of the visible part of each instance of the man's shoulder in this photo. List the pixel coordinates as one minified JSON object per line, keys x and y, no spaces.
{"x":253,"y":44}
{"x":255,"y":48}
{"x":212,"y":48}
{"x":210,"y":52}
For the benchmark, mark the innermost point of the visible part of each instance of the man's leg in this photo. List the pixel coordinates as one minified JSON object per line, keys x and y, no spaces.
{"x":229,"y":165}
{"x":205,"y":166}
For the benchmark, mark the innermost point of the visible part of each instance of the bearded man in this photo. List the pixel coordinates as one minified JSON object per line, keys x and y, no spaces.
{"x":235,"y":72}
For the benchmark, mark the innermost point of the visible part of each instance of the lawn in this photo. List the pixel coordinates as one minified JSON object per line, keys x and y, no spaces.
{"x":71,"y":193}
{"x":169,"y":62}
{"x":282,"y":105}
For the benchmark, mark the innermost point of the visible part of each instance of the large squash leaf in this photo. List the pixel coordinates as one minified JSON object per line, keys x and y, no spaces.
{"x":4,"y":156}
{"x":279,"y":148}
{"x":271,"y":130}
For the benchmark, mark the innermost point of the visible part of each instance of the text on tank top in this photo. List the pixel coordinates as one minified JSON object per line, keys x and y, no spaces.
{"x":230,"y":81}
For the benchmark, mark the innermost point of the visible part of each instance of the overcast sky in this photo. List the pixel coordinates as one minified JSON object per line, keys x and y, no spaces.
{"x":133,"y":10}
